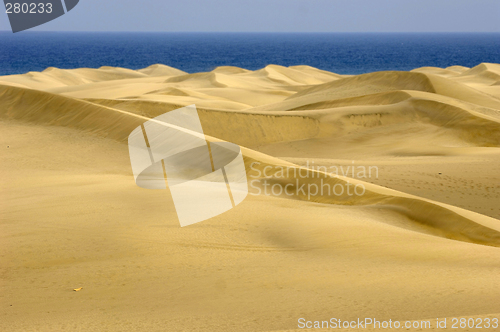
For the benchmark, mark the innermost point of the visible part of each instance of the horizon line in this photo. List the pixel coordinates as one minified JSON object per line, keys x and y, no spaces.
{"x":263,"y":32}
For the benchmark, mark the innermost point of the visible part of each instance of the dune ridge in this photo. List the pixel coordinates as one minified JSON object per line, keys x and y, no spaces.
{"x":403,"y":98}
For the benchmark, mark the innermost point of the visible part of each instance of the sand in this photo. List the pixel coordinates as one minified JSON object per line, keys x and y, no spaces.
{"x":421,"y":243}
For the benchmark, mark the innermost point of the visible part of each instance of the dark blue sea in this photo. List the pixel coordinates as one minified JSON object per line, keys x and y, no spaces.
{"x":345,"y":53}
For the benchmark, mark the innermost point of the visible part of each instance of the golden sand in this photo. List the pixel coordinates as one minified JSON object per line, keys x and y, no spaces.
{"x":421,"y":243}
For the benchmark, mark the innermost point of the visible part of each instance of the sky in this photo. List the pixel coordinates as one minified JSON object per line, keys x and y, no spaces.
{"x":278,"y":16}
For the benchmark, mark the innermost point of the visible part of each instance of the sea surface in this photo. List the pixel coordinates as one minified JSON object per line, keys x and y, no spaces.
{"x":343,"y":53}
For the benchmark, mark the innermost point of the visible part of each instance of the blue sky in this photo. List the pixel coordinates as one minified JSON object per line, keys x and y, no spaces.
{"x":279,"y":16}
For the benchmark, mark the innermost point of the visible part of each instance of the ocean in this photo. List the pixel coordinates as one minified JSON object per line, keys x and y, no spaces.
{"x":343,"y":53}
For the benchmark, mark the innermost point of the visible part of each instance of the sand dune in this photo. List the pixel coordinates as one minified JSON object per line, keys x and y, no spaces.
{"x":422,"y":241}
{"x":161,"y":70}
